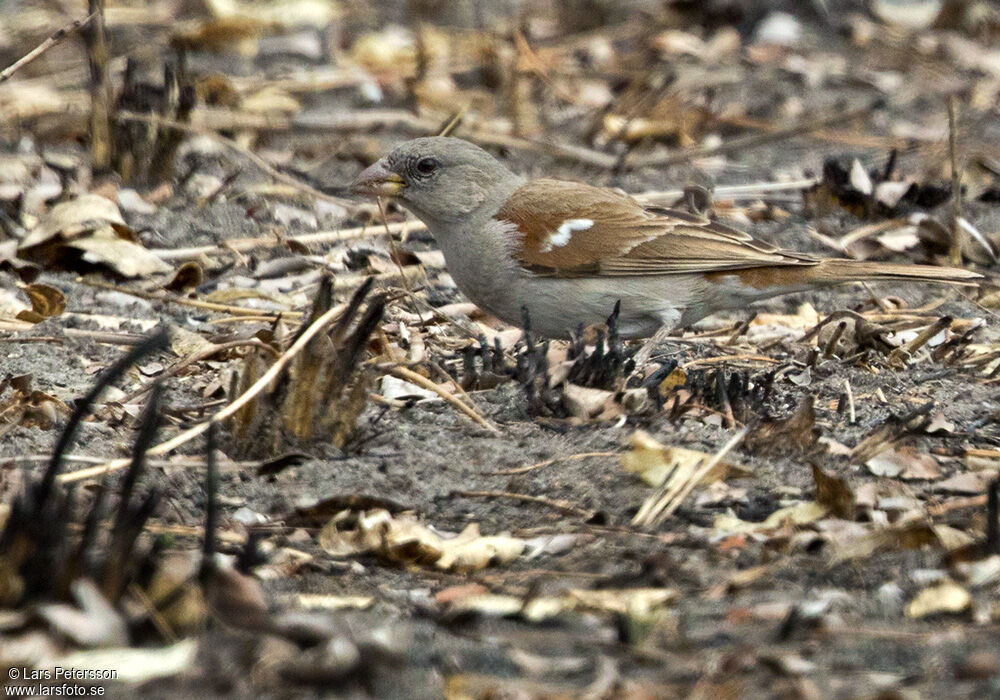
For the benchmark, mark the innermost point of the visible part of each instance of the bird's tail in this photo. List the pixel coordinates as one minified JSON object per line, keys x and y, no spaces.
{"x":837,"y":271}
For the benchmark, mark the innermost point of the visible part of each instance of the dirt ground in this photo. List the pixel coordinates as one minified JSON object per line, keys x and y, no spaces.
{"x":753,"y":612}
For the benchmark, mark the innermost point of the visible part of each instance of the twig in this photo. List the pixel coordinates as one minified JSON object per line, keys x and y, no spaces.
{"x":422,"y":381}
{"x":751,"y":190}
{"x":56,"y":38}
{"x":101,"y":104}
{"x":539,"y":465}
{"x":863,"y":232}
{"x":956,"y":504}
{"x":992,"y":523}
{"x":246,"y":244}
{"x":396,"y":258}
{"x":852,"y":416}
{"x":899,"y":355}
{"x":701,"y":361}
{"x":243,"y":399}
{"x":96,"y":336}
{"x":155,"y":616}
{"x":559,"y":505}
{"x":183,"y":301}
{"x":957,"y":232}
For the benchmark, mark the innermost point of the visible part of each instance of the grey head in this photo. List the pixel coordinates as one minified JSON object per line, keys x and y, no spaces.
{"x":442,"y":180}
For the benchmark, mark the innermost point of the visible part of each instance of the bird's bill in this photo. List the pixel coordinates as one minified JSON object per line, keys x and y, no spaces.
{"x":378,"y":181}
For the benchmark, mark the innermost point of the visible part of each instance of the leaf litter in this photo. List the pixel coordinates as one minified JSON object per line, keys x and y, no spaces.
{"x":811,"y":478}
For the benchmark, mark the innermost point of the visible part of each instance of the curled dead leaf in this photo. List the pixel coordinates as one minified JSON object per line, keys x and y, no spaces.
{"x":404,"y":540}
{"x":187,"y":277}
{"x":835,"y":493}
{"x":799,"y":514}
{"x":910,"y":534}
{"x":91,"y":229}
{"x":46,"y":301}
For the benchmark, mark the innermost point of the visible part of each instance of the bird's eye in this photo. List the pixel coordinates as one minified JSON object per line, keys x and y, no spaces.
{"x":425,"y":166}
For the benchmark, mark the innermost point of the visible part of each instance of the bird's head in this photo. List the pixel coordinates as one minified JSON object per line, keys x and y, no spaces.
{"x":439,"y":179}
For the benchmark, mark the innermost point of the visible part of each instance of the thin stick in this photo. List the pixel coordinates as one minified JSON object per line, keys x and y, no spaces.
{"x":729,"y":358}
{"x":422,"y":381}
{"x":401,"y":119}
{"x":661,"y":506}
{"x":246,"y":397}
{"x":547,"y":462}
{"x":852,"y":416}
{"x":157,"y":618}
{"x":56,"y":38}
{"x":957,"y":232}
{"x":101,"y":105}
{"x":396,"y":259}
{"x":751,"y":190}
{"x":863,"y":232}
{"x":263,"y":242}
{"x":900,"y":354}
{"x":183,"y":301}
{"x":562,"y":506}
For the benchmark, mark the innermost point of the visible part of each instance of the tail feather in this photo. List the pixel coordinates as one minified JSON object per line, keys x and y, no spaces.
{"x":832,"y":271}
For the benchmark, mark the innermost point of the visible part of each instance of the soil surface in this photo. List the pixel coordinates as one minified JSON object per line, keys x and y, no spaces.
{"x":754,"y":613}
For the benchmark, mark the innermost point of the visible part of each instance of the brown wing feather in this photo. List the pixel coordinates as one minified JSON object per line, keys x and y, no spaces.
{"x":625,"y":237}
{"x":540,"y":207}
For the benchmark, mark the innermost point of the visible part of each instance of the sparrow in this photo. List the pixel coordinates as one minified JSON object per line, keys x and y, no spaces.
{"x":568,"y":252}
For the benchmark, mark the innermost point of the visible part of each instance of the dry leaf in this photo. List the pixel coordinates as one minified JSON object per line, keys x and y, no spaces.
{"x":798,"y":514}
{"x":187,"y":277}
{"x":835,"y":493}
{"x":404,"y":540}
{"x":638,"y":602}
{"x":187,"y":343}
{"x":804,"y":318}
{"x":946,"y":598}
{"x":90,"y":228}
{"x":76,"y":217}
{"x":909,"y":15}
{"x":105,"y":247}
{"x":654,"y":463}
{"x":625,"y":601}
{"x":395,"y":388}
{"x":965,"y":483}
{"x":903,"y":462}
{"x":271,"y":100}
{"x":797,"y":433}
{"x":587,"y":403}
{"x":46,"y":301}
{"x":319,"y":601}
{"x":133,"y":664}
{"x":910,"y":534}
{"x":536,"y":609}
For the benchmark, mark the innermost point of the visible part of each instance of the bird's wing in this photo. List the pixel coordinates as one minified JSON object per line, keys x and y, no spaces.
{"x":569,"y":228}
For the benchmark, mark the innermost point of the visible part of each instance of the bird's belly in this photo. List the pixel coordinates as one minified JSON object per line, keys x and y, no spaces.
{"x":557,"y":306}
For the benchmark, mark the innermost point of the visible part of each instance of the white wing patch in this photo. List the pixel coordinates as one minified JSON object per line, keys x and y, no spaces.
{"x":565,"y":232}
